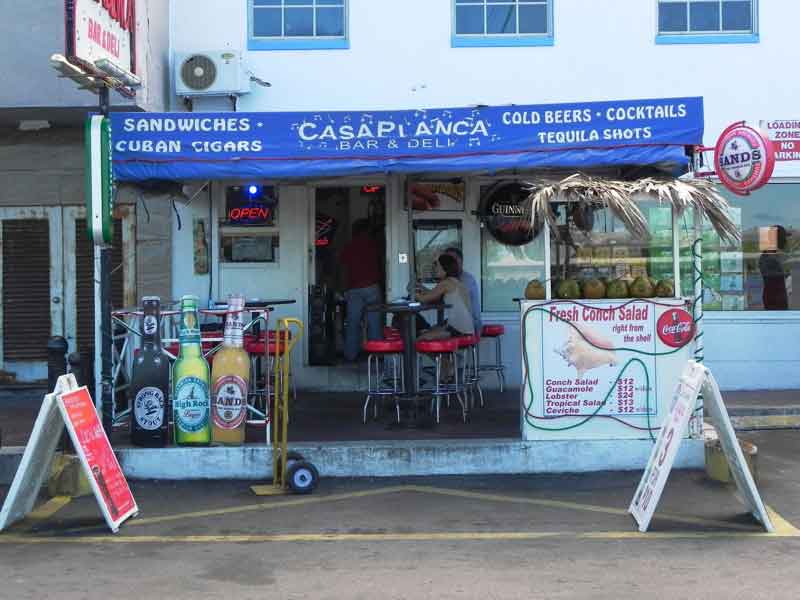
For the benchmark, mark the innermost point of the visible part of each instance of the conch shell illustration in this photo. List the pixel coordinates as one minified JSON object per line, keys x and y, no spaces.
{"x":578,"y":352}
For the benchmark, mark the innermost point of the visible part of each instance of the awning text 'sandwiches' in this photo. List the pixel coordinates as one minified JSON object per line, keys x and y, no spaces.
{"x":310,"y":144}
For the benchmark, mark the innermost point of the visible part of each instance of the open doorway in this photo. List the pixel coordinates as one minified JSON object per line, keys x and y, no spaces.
{"x":349,"y":264}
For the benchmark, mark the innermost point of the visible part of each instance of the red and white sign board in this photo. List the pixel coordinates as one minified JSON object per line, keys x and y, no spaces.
{"x":785,"y":137}
{"x":694,"y":380}
{"x":744,"y":159}
{"x":99,"y":462}
{"x":72,"y":406}
{"x":101,"y":29}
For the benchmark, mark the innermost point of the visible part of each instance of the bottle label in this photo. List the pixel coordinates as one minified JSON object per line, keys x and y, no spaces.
{"x":189,"y":331}
{"x":150,"y":325}
{"x":191,"y":404}
{"x":148,"y":408}
{"x":230,"y":402}
{"x":234,"y":327}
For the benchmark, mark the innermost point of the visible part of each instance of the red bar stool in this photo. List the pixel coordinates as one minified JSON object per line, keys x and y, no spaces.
{"x":495,"y":331}
{"x":436,"y":350}
{"x":378,"y":352}
{"x":468,"y":345}
{"x":390,"y":333}
{"x":275,"y":350}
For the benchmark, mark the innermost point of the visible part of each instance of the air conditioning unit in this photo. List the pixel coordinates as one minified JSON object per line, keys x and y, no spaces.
{"x":210,"y":73}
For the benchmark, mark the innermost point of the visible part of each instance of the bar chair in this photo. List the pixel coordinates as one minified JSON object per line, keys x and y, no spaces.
{"x":378,"y":353}
{"x":436,"y":350}
{"x":496,"y":332}
{"x":266,"y":344}
{"x":468,"y":346}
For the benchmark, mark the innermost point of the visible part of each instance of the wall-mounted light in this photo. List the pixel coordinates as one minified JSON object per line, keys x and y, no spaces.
{"x":112,"y":69}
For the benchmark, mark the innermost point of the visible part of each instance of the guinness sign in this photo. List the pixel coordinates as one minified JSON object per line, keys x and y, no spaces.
{"x":505,"y":211}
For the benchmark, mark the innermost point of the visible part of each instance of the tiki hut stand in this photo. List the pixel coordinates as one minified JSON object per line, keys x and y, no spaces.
{"x":621,"y":198}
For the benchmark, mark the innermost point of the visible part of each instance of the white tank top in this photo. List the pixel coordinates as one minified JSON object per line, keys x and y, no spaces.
{"x":459,"y":315}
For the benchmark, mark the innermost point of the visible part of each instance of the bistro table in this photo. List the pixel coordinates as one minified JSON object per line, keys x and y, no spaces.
{"x":407,"y":316}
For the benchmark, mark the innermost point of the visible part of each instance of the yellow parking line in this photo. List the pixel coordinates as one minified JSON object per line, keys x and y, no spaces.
{"x":673,"y":535}
{"x":250,"y":507}
{"x":581,"y":507}
{"x":48,"y":509}
{"x":467,"y":536}
{"x":782,"y":526}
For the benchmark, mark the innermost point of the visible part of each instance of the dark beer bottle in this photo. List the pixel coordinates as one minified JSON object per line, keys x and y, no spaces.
{"x":150,"y":381}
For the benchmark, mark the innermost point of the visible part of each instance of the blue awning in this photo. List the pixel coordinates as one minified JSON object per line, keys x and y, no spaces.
{"x":182,"y":146}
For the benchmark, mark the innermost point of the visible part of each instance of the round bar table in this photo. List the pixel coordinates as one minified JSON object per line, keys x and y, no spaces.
{"x":406,"y":314}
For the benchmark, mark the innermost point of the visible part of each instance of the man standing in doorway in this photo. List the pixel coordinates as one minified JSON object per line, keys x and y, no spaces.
{"x":472,"y":287}
{"x":362,"y":272}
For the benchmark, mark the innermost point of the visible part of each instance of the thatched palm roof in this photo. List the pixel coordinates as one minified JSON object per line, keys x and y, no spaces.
{"x":619,"y":197}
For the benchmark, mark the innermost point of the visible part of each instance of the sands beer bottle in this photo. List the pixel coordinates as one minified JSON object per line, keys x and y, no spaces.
{"x":190,"y":382}
{"x":230,"y":376}
{"x":150,"y":381}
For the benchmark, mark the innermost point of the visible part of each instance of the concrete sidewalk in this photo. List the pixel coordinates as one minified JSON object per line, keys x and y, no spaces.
{"x":748,"y":410}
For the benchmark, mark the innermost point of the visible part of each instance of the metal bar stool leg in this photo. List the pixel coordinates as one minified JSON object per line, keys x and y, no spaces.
{"x":369,"y":387}
{"x":500,"y":375}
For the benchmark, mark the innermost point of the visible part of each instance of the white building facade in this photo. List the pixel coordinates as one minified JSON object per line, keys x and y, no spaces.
{"x":339,"y":55}
{"x":47,"y":260}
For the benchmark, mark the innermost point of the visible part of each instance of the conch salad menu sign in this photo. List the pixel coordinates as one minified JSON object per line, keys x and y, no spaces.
{"x":585,"y":349}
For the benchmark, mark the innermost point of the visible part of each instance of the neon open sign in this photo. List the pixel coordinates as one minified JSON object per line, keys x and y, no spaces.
{"x":251,"y":204}
{"x":253,"y":214}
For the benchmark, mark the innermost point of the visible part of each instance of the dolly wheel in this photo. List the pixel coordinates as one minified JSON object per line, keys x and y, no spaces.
{"x":302,"y":477}
{"x":292,"y":457}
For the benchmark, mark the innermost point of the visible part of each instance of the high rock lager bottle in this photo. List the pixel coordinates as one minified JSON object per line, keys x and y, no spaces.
{"x":230,"y":376}
{"x":150,"y":381}
{"x":190,"y":382}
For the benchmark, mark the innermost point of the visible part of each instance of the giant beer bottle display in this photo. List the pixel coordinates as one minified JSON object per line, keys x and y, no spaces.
{"x":190,"y":382}
{"x":229,"y":380}
{"x":150,"y":381}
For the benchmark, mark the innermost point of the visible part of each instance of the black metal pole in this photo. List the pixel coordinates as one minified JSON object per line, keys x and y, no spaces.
{"x":412,"y":260}
{"x":105,"y":309}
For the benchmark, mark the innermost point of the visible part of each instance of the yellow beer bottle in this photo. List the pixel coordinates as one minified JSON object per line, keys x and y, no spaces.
{"x":190,"y":382}
{"x":230,"y":376}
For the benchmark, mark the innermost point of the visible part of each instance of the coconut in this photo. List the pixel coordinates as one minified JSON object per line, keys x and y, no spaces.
{"x":594,"y":289}
{"x":535,"y":290}
{"x":617,"y":289}
{"x":569,"y":289}
{"x":665,"y":288}
{"x":641,"y":288}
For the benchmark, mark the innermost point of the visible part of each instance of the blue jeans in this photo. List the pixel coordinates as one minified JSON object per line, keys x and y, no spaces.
{"x":357,"y":299}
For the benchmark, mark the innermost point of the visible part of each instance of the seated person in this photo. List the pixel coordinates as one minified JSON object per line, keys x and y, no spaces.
{"x":458,"y":317}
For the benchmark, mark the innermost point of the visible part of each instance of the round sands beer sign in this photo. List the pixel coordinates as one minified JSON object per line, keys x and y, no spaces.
{"x":744,"y":159}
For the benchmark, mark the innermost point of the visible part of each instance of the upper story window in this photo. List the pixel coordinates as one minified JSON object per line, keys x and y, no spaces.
{"x":502,"y":23}
{"x":297,"y":24}
{"x":707,"y":21}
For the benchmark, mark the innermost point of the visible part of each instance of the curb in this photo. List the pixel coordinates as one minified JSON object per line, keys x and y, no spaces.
{"x":748,"y":418}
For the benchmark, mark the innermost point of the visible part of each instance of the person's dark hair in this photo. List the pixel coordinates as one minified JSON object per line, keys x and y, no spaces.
{"x":456,"y":251}
{"x":360,"y":226}
{"x":781,"y":236}
{"x":449,"y":265}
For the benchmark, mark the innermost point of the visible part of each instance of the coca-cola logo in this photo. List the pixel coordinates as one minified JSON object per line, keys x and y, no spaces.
{"x":675,"y":328}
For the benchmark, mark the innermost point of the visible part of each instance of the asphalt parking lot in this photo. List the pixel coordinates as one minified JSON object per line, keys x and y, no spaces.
{"x":466,"y":537}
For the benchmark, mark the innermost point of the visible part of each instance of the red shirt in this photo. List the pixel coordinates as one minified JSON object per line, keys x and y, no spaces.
{"x":360,"y":256}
